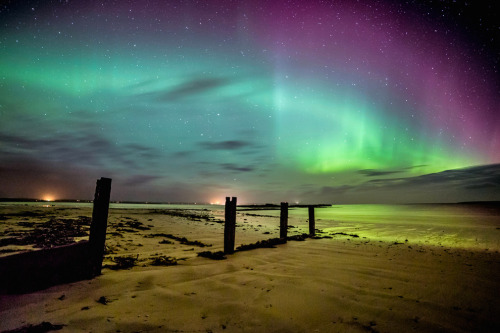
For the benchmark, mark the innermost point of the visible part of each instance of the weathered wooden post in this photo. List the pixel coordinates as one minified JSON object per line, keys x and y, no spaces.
{"x":97,"y":237}
{"x":312,"y":223}
{"x":230,"y":225}
{"x":284,"y":221}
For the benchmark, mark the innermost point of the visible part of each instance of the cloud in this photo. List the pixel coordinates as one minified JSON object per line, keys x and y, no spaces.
{"x":190,"y":88}
{"x":181,"y":154}
{"x":415,"y":166}
{"x":32,"y":178}
{"x":225,"y":145}
{"x":335,"y":190}
{"x":140,"y":180}
{"x":470,"y":177}
{"x":376,"y":173}
{"x":472,"y":183}
{"x":12,"y":143}
{"x":87,"y":148}
{"x":233,"y":167}
{"x":481,"y":186}
{"x":140,"y":151}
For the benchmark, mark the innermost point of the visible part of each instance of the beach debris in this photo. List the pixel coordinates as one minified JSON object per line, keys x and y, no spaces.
{"x":28,"y":213}
{"x":321,"y":237}
{"x":344,"y":234}
{"x":108,"y":249}
{"x":134,"y":225}
{"x":8,"y":251}
{"x":163,"y":261}
{"x":40,"y":328}
{"x":190,"y":215}
{"x":10,"y":241}
{"x":267,"y":243}
{"x":54,"y":232}
{"x":124,"y":262}
{"x":182,"y":240}
{"x":103,"y":300}
{"x":219,"y":255}
{"x":271,"y":243}
{"x":299,"y":238}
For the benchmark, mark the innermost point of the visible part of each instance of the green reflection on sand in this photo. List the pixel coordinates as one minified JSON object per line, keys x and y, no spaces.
{"x":450,"y":225}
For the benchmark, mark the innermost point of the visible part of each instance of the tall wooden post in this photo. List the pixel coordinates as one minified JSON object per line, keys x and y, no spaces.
{"x":312,"y":222}
{"x":284,"y":221}
{"x":230,"y":225}
{"x":99,"y":224}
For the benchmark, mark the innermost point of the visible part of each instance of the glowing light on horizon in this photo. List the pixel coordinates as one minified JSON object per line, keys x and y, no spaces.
{"x":48,"y":197}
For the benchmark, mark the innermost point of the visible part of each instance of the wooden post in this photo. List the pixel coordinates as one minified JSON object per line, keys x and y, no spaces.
{"x":230,"y":225}
{"x":312,"y":223}
{"x":97,"y":237}
{"x":284,"y":221}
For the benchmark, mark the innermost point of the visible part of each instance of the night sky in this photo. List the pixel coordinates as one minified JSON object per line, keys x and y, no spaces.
{"x":299,"y":101}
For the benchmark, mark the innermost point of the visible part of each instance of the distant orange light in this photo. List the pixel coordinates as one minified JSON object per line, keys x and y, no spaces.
{"x":48,"y":197}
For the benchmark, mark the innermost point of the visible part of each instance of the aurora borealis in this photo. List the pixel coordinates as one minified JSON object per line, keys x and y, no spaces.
{"x":300,"y":101}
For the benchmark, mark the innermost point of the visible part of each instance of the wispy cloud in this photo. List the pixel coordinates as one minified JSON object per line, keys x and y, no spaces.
{"x":186,"y":90}
{"x":473,"y":183}
{"x":140,"y":180}
{"x":82,"y":148}
{"x":194,"y":87}
{"x":335,"y":190}
{"x":226,"y":145}
{"x":469,"y":177}
{"x":234,"y":167}
{"x":376,"y":173}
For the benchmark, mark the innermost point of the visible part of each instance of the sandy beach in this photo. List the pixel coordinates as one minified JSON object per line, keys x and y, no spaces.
{"x":339,"y":283}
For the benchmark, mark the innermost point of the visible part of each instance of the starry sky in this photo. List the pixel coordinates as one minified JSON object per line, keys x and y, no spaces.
{"x":269,"y":101}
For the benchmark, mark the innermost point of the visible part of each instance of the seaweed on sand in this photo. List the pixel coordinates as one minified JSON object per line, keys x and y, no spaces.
{"x":271,"y":243}
{"x":182,"y":240}
{"x":163,"y":261}
{"x":186,"y":214}
{"x":344,"y":234}
{"x":132,"y":225}
{"x":40,"y":328}
{"x":267,"y":243}
{"x":300,"y":238}
{"x":54,"y":232}
{"x":219,"y":255}
{"x":124,"y":262}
